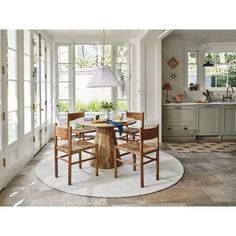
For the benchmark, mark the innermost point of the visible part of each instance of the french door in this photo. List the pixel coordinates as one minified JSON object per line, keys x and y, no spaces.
{"x":2,"y":170}
{"x":9,"y":106}
{"x":42,"y":91}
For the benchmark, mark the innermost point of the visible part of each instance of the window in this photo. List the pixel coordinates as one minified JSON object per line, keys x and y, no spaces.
{"x":121,"y":69}
{"x":0,"y":92}
{"x":87,"y":59}
{"x":64,"y":68}
{"x":75,"y":71}
{"x":192,"y":67}
{"x":12,"y":111}
{"x":36,"y":80}
{"x":43,"y":81}
{"x":27,"y":82}
{"x":49,"y":96}
{"x":223,"y":74}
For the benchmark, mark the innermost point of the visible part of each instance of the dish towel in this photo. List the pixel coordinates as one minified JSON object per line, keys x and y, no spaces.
{"x":116,"y":124}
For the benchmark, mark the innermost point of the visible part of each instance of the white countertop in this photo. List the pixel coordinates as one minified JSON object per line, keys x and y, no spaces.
{"x":199,"y":104}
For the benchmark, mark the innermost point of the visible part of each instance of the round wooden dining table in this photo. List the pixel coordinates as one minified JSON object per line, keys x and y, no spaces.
{"x":105,"y":138}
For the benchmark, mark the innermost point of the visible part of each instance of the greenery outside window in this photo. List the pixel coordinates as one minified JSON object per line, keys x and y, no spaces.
{"x":192,"y":69}
{"x":223,"y":73}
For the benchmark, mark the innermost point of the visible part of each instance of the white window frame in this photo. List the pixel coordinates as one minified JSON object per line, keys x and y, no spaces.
{"x":218,"y":47}
{"x":192,"y":49}
{"x":114,"y":93}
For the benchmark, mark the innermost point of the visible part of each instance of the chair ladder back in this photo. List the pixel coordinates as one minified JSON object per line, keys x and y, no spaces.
{"x":62,"y":132}
{"x":73,"y":116}
{"x":137,"y":116}
{"x":149,"y":133}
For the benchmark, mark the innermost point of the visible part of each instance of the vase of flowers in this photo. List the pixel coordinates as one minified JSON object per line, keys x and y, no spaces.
{"x":108,"y":107}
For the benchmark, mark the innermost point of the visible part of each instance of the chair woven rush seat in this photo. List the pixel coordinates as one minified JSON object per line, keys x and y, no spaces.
{"x":70,"y":148}
{"x":139,"y":149}
{"x":134,"y":147}
{"x":81,"y":131}
{"x":132,"y":131}
{"x":76,"y":146}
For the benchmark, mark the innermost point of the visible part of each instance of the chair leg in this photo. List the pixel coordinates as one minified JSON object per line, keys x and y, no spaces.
{"x":80,"y":163}
{"x":127,"y":137}
{"x":97,"y":159}
{"x":69,"y":169}
{"x":56,"y":163}
{"x":157,"y":165}
{"x":141,"y":172}
{"x":134,"y":162}
{"x":133,"y":137}
{"x":115,"y":162}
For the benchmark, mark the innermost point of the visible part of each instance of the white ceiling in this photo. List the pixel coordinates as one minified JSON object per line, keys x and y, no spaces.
{"x":72,"y":33}
{"x":96,"y":35}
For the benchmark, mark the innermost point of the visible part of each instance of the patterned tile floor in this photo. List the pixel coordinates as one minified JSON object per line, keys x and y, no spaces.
{"x":209,"y":180}
{"x":229,"y":146}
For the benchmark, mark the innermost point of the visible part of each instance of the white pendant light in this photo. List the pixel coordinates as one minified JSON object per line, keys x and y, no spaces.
{"x":104,"y":77}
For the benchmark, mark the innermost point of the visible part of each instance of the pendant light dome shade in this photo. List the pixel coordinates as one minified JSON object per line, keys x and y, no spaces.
{"x":208,"y":64}
{"x":104,"y":77}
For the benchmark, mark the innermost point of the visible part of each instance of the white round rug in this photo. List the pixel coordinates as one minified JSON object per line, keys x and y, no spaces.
{"x":85,"y":183}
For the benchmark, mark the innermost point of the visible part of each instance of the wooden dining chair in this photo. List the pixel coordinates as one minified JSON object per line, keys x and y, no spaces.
{"x":139,"y":149}
{"x":133,"y":131}
{"x":82,"y":131}
{"x":69,"y":148}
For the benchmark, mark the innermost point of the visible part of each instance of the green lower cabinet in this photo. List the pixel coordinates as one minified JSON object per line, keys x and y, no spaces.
{"x":185,"y":122}
{"x":228,"y":118}
{"x":178,"y":122}
{"x":207,"y":120}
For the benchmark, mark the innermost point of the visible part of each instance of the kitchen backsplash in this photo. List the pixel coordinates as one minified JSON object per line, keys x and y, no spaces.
{"x":192,"y":96}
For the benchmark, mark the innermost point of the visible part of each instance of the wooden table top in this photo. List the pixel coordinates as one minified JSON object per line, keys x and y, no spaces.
{"x":102,"y":124}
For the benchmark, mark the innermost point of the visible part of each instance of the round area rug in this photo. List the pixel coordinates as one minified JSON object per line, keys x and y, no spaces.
{"x":85,"y":183}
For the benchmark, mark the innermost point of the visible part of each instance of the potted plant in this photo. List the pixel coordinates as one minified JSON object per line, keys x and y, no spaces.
{"x":107,"y":107}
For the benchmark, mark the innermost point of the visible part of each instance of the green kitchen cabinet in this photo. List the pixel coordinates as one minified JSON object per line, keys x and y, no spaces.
{"x":228,"y":120}
{"x":178,"y":121}
{"x":208,"y":120}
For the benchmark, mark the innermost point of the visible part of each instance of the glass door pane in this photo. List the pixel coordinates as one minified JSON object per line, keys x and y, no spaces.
{"x":43,"y":92}
{"x":0,"y":99}
{"x":27,"y":82}
{"x":48,"y":85}
{"x":36,"y":81}
{"x":12,"y":84}
{"x":36,"y":91}
{"x":64,"y":83}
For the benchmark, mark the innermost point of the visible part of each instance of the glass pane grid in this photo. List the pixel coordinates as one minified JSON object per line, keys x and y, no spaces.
{"x":12,"y":126}
{"x":223,"y":72}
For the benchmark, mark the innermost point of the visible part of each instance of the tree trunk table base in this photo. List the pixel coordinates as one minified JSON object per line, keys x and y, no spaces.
{"x":106,"y":140}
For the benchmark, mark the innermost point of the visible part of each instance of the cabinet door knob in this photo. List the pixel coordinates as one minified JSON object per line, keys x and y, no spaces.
{"x":169,"y":128}
{"x":185,"y":128}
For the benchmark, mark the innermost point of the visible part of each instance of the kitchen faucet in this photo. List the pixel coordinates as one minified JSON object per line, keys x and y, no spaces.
{"x":228,"y":96}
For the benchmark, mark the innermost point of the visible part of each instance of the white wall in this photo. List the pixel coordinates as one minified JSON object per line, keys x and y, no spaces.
{"x":175,"y":44}
{"x":146,"y":80}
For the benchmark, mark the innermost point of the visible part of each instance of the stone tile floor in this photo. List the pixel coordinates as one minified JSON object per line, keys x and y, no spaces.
{"x":209,"y":180}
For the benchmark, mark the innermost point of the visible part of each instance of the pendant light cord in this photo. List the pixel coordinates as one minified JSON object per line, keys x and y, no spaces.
{"x":208,"y":41}
{"x":103,"y":48}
